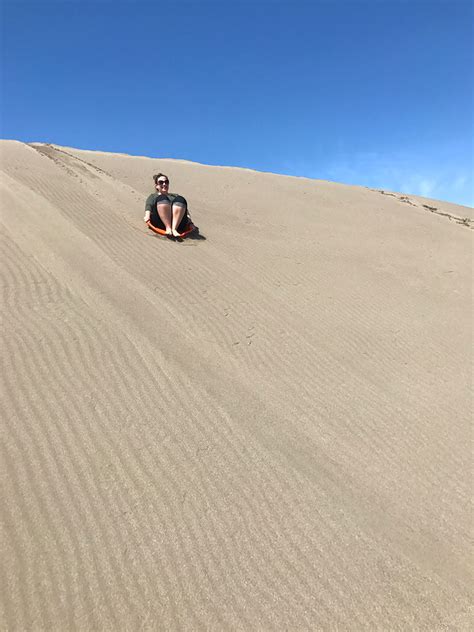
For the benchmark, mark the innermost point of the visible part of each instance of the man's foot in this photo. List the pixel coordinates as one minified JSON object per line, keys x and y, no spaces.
{"x":175,"y":233}
{"x":168,"y":230}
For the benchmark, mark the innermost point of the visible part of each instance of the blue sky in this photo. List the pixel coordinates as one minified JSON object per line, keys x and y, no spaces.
{"x":375,"y":92}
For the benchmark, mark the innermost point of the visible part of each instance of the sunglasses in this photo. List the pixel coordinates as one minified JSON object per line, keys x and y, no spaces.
{"x":162,"y":182}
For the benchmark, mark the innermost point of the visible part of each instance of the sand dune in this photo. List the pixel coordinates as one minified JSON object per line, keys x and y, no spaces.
{"x":267,"y":428}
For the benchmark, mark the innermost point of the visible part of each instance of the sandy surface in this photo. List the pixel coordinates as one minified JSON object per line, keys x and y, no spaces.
{"x":267,"y":428}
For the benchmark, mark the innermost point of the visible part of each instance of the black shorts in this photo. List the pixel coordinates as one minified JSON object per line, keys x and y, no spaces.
{"x":155,"y":219}
{"x":178,"y":199}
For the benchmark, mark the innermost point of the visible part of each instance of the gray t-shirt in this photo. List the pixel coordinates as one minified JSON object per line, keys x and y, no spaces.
{"x":150,"y":203}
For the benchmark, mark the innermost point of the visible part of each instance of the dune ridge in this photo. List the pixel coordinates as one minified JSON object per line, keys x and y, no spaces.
{"x":263,"y":429}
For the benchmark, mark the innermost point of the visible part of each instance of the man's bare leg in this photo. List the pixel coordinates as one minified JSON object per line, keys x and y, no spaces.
{"x":178,"y":214}
{"x":164,"y":211}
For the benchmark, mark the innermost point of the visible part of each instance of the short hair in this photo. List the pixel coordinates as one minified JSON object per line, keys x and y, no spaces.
{"x":158,"y":175}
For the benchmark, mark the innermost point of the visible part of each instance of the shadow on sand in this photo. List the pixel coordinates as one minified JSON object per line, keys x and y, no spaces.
{"x":194,"y":236}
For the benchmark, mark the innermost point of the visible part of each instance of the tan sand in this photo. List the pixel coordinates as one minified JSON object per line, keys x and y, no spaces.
{"x":265,"y":429}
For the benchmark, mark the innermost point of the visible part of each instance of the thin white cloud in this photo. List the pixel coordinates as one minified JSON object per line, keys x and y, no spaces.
{"x":409,"y":174}
{"x":459,"y":182}
{"x":414,"y":175}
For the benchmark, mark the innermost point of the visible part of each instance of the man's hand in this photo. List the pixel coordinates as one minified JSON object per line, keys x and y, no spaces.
{"x":147,"y":216}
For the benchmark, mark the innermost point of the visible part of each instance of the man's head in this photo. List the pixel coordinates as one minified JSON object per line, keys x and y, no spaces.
{"x":161,"y":182}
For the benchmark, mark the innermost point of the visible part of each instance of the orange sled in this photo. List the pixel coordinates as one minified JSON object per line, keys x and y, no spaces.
{"x":189,"y":229}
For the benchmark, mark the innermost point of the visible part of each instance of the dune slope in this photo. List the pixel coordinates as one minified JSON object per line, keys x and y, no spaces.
{"x":263,"y":429}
